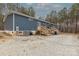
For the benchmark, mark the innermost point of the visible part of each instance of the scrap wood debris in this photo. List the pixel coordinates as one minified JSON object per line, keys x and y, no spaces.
{"x":43,"y":30}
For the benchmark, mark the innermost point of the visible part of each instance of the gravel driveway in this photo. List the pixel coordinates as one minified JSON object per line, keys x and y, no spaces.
{"x":54,"y":45}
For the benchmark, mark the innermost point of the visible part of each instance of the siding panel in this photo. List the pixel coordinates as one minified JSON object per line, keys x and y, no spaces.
{"x":24,"y":23}
{"x":8,"y":24}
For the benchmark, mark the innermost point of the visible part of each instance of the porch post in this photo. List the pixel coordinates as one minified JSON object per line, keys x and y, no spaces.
{"x":13,"y":22}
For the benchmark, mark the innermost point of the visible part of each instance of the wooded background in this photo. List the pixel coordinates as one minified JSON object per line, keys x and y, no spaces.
{"x":68,"y":19}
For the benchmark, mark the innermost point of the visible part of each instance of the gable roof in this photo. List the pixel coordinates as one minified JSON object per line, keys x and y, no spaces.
{"x":33,"y":18}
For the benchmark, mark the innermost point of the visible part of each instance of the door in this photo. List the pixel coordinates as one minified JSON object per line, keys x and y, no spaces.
{"x":17,"y":28}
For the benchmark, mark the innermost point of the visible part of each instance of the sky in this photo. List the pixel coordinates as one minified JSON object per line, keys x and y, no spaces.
{"x":42,"y":9}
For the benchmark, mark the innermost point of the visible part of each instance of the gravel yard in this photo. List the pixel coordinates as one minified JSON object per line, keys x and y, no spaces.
{"x":65,"y":44}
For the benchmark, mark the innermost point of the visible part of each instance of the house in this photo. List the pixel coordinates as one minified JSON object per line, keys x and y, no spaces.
{"x":16,"y":21}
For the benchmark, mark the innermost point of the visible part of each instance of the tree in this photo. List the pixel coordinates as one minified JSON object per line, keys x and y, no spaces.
{"x":63,"y":18}
{"x":52,"y":17}
{"x":23,"y":10}
{"x":74,"y":15}
{"x":1,"y":22}
{"x":31,"y":11}
{"x":12,"y":6}
{"x":1,"y":17}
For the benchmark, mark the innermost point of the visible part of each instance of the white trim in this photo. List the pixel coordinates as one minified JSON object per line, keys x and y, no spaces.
{"x":13,"y":22}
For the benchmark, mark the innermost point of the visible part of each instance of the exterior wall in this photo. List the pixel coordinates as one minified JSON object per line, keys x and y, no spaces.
{"x":8,"y":24}
{"x":24,"y":23}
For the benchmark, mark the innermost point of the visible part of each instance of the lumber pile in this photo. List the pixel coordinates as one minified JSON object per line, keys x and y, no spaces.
{"x":42,"y":30}
{"x":54,"y":31}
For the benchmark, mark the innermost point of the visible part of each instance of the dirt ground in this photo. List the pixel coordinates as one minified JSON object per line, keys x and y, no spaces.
{"x":55,"y":45}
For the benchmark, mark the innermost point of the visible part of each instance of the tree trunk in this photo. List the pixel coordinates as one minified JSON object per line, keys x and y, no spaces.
{"x":76,"y":25}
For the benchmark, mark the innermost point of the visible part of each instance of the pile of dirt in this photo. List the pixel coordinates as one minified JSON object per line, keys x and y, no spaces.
{"x":4,"y":34}
{"x":4,"y":37}
{"x":1,"y":37}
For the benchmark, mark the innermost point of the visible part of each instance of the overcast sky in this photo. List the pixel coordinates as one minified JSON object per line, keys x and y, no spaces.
{"x":42,"y":9}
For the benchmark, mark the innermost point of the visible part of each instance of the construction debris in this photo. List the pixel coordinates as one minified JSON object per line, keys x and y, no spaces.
{"x":43,"y":30}
{"x":54,"y":31}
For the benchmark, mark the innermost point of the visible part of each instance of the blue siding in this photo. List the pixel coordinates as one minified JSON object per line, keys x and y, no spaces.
{"x":22,"y":22}
{"x":25,"y":23}
{"x":8,"y":24}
